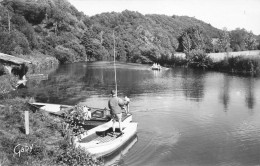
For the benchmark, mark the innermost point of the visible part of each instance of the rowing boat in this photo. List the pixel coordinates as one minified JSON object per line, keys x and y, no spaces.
{"x":98,"y":139}
{"x":101,"y":142}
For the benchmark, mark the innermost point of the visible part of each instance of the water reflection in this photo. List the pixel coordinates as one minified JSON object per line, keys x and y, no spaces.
{"x":224,"y":94}
{"x":193,"y":84}
{"x":249,"y":95}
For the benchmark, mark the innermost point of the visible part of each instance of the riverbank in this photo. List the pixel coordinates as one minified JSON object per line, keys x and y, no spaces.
{"x":244,"y":62}
{"x":45,"y":144}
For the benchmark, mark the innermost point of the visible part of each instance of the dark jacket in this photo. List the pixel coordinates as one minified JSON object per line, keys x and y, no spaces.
{"x":115,"y":104}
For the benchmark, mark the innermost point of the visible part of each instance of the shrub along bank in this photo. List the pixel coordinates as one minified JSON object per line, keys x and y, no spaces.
{"x":45,"y":145}
{"x":236,"y":65}
{"x":239,"y":65}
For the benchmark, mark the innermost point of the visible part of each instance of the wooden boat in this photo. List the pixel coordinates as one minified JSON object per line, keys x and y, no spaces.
{"x":100,"y":141}
{"x":116,"y":157}
{"x":99,"y":116}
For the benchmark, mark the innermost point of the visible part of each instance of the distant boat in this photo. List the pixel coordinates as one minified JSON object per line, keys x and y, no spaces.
{"x":156,"y":66}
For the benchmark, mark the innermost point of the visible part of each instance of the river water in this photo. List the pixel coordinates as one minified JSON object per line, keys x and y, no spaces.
{"x":185,"y":117}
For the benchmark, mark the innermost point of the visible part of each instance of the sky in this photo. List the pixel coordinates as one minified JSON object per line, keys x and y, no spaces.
{"x":230,"y":14}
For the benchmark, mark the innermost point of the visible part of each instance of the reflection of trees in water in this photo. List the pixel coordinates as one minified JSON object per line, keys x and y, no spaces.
{"x":249,"y":95}
{"x":61,"y":86}
{"x":224,"y":95}
{"x":97,"y":77}
{"x":193,"y":84}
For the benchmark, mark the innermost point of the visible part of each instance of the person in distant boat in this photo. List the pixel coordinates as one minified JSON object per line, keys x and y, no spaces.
{"x":115,"y":105}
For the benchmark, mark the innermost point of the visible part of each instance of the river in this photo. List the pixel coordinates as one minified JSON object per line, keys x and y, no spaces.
{"x":185,"y":117}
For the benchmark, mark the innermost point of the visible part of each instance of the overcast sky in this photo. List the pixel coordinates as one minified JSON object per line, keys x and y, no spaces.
{"x":219,"y":13}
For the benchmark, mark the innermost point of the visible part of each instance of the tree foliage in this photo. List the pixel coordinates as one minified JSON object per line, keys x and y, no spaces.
{"x":242,"y":40}
{"x":42,"y":25}
{"x":194,"y":38}
{"x":56,"y":28}
{"x":223,"y":43}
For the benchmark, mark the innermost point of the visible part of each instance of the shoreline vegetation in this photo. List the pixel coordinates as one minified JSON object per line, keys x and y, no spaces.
{"x":54,"y":32}
{"x":46,"y":144}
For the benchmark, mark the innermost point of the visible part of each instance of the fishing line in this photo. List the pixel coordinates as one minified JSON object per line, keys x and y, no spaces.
{"x":145,"y":110}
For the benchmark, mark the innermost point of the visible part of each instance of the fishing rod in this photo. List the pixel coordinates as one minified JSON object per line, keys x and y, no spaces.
{"x":127,"y":106}
{"x":115,"y":61}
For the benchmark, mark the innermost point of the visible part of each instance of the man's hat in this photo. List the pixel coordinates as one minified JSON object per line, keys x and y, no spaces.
{"x":113,"y":92}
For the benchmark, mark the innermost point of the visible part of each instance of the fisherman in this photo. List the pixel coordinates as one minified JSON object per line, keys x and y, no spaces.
{"x":115,"y":105}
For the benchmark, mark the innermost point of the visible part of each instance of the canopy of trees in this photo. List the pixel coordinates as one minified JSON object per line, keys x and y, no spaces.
{"x":56,"y":28}
{"x":51,"y":27}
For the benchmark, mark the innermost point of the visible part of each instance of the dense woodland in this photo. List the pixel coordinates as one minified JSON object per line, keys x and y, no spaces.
{"x":38,"y":28}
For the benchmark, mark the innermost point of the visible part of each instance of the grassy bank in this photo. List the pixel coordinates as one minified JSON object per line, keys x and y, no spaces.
{"x":47,"y":144}
{"x":238,"y":64}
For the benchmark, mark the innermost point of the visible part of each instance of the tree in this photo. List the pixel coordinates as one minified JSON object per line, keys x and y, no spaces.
{"x":193,"y":38}
{"x":250,"y":41}
{"x":237,"y":39}
{"x":187,"y":43}
{"x":223,"y":44}
{"x":8,"y":4}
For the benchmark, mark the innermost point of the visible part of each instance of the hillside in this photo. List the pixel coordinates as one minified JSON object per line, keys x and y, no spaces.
{"x":49,"y":27}
{"x":139,"y":38}
{"x":56,"y":28}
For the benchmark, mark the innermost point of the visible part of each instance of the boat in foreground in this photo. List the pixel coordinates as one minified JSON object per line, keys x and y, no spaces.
{"x":98,"y":139}
{"x":102,"y":142}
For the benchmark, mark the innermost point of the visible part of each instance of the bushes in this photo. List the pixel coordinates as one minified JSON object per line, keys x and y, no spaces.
{"x":7,"y":83}
{"x":14,"y":43}
{"x":41,"y":63}
{"x":199,"y":59}
{"x":48,"y":146}
{"x":75,"y":156}
{"x":239,"y":64}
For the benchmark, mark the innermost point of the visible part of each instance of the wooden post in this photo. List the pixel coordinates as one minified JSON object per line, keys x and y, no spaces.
{"x":26,"y":117}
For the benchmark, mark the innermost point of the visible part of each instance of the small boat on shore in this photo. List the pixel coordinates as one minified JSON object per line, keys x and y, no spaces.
{"x":99,"y":116}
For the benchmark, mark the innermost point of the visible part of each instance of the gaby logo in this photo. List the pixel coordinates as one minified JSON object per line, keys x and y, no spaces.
{"x":22,"y":148}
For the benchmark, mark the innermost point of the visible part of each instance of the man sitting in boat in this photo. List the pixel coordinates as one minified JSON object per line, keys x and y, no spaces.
{"x":115,"y":105}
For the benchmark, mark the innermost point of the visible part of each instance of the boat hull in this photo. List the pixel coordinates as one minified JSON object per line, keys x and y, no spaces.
{"x":95,"y":148}
{"x":156,"y":68}
{"x":99,"y":149}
